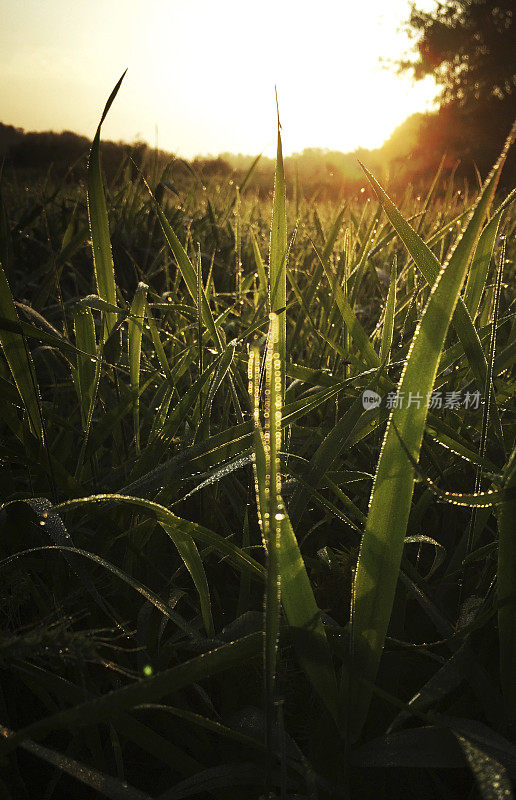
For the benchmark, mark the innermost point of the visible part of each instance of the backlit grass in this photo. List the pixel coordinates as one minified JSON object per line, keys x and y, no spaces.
{"x":223,"y":575}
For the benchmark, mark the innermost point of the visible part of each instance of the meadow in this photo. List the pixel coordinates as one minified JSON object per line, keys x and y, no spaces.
{"x":258,"y":484}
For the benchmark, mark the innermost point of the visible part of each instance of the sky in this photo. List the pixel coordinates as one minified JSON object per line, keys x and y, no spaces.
{"x":201,"y":73}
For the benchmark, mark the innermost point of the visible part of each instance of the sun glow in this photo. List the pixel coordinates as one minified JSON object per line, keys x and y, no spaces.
{"x":202,"y":74}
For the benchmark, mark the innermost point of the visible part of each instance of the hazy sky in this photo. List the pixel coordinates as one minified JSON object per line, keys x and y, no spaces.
{"x":202,"y":73}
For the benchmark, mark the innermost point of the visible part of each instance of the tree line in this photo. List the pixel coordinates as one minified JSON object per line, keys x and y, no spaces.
{"x":467,"y":45}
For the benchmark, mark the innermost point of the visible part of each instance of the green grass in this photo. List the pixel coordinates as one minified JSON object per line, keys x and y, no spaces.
{"x":222,"y":576}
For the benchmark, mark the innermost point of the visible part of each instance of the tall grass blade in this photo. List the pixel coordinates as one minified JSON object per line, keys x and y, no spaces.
{"x":99,"y":225}
{"x":297,"y":596}
{"x":429,"y":265}
{"x":249,"y":173}
{"x":135,"y":334}
{"x":480,"y":266}
{"x":487,"y":394}
{"x":304,"y":619}
{"x":388,"y":321}
{"x":86,"y":342}
{"x":382,"y":544}
{"x":278,"y":257}
{"x":268,"y":488}
{"x":260,"y":267}
{"x":18,"y":358}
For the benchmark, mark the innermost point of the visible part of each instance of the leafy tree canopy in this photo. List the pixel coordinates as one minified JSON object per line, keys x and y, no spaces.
{"x":469,"y":46}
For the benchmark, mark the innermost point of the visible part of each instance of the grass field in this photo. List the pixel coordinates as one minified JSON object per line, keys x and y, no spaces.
{"x":224,"y":573}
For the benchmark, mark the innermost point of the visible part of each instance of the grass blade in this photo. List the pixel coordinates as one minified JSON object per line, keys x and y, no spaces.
{"x":305,"y":622}
{"x":6,"y":245}
{"x":135,"y":349}
{"x":260,"y":267}
{"x":156,"y":341}
{"x":353,"y":326}
{"x":323,"y":458}
{"x":388,"y":321}
{"x":99,"y":225}
{"x":297,"y":597}
{"x":318,"y":271}
{"x":234,"y":554}
{"x":278,"y":257}
{"x":104,"y":784}
{"x":19,"y":360}
{"x":188,"y":272}
{"x":382,"y":544}
{"x":86,"y":358}
{"x":506,"y":584}
{"x":268,"y":489}
{"x":188,"y":551}
{"x":479,"y":268}
{"x":143,"y":691}
{"x":429,"y":265}
{"x":249,"y":173}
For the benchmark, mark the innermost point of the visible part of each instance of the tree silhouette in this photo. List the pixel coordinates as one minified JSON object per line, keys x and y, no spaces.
{"x":469,"y":46}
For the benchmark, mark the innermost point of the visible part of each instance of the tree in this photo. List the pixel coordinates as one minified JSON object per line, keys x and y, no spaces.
{"x":469,"y":46}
